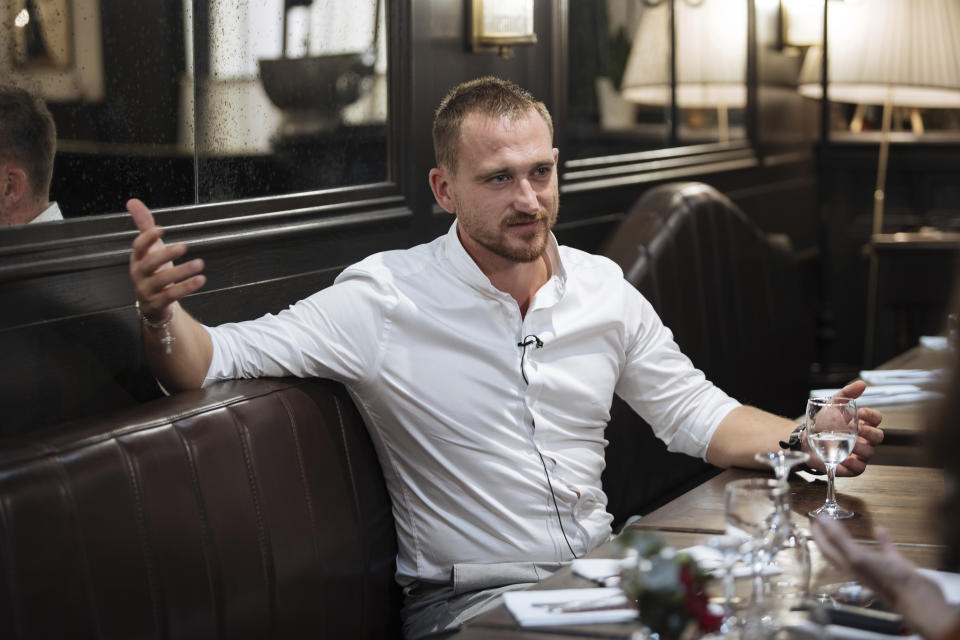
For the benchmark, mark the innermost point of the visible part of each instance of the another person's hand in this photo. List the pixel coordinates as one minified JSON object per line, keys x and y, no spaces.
{"x":157,"y":282}
{"x":891,"y":576}
{"x":868,"y":438}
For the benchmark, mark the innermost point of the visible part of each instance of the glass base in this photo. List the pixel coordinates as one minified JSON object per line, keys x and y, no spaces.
{"x":835,"y":512}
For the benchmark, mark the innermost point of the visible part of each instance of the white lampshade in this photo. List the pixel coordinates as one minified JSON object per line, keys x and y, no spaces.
{"x":711,"y":49}
{"x":904,"y":50}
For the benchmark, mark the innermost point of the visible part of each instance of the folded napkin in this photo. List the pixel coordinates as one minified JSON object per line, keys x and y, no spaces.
{"x":711,"y":561}
{"x":605,"y":571}
{"x":881,"y":395}
{"x":948,"y":582}
{"x":873,"y":390}
{"x":528,"y":607}
{"x":903,"y":376}
{"x":936,"y":343}
{"x":900,"y":398}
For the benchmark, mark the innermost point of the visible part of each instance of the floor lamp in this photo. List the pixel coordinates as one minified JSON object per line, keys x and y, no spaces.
{"x":895,"y":53}
{"x":711,"y":58}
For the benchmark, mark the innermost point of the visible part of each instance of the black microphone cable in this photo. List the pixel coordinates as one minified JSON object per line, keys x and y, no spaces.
{"x":526,"y":342}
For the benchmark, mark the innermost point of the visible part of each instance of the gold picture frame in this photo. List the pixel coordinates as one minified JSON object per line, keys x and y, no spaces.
{"x":42,"y":35}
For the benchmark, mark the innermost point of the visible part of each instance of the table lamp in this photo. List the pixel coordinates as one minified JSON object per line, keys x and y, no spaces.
{"x":711,"y":58}
{"x":895,"y":53}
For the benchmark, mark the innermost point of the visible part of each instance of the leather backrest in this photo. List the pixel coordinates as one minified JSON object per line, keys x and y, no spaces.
{"x":733,"y":299}
{"x":252,"y":509}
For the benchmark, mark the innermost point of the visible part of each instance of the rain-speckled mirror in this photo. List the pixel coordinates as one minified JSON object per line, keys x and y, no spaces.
{"x":184,"y":102}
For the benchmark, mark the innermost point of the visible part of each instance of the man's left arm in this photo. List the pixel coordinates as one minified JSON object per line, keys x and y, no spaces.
{"x":748,"y":430}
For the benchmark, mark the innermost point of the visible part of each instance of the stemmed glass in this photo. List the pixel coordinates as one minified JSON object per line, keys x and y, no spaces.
{"x":729,"y":548}
{"x":832,"y":427}
{"x":782,"y":461}
{"x":752,"y":516}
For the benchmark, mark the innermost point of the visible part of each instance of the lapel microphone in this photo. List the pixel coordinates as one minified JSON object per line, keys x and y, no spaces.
{"x":526,"y":342}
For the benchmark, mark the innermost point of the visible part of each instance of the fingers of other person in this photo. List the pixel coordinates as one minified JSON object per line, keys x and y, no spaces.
{"x":832,"y":542}
{"x":882,"y":569}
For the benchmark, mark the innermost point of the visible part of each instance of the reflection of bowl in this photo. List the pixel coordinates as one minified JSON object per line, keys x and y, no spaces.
{"x":317,"y":83}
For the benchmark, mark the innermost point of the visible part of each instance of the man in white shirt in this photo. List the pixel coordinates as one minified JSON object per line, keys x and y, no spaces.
{"x":484,"y":364}
{"x":28,"y":142}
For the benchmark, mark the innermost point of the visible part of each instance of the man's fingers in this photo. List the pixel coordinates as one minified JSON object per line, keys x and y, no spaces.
{"x":167,"y":277}
{"x":141,"y":215}
{"x":854,"y":465}
{"x":870,"y":417}
{"x":147,"y":241}
{"x":160,"y":260}
{"x":178,"y":291}
{"x":871,"y":434}
{"x":852,"y":390}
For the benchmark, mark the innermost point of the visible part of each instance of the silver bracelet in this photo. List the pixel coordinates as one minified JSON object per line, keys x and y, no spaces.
{"x":164,"y":325}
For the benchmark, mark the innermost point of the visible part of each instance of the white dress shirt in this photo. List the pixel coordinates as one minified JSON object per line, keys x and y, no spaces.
{"x":50,"y":214}
{"x":429,"y":351}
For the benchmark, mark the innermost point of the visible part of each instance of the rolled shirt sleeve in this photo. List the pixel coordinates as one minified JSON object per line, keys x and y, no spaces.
{"x":664,"y":387}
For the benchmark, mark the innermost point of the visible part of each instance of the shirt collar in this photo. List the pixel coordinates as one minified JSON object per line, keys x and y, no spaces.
{"x":468,"y":270}
{"x":49,"y":214}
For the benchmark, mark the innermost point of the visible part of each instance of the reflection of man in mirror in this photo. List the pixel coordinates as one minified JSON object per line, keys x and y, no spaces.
{"x":28,"y":141}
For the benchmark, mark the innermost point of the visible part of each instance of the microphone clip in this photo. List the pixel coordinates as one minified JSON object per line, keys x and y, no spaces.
{"x":531,"y":340}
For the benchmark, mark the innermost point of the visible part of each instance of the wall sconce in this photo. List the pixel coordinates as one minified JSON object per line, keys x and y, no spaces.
{"x":498,"y":25}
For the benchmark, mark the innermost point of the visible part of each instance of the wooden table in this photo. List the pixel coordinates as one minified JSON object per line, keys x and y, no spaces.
{"x":899,"y":498}
{"x":904,"y":425}
{"x":499,"y":624}
{"x":911,"y":420}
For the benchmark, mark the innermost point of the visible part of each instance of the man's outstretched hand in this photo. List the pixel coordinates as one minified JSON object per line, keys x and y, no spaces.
{"x":157,"y":282}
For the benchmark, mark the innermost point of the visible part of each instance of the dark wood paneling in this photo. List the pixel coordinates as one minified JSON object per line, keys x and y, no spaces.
{"x":68,"y":321}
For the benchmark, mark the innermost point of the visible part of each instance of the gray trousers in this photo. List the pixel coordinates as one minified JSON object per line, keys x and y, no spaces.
{"x":438,"y":609}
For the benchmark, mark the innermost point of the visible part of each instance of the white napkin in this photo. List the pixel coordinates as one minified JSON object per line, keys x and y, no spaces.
{"x":874,"y":390}
{"x":949,"y":583}
{"x":606,"y":571}
{"x":523,"y":606}
{"x":882,"y":395}
{"x":903,"y":376}
{"x":936,"y":343}
{"x":711,"y":561}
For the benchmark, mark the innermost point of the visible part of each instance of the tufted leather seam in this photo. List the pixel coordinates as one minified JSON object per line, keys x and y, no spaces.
{"x":263,"y":542}
{"x":8,"y":561}
{"x":207,"y":543}
{"x":84,"y":560}
{"x":301,"y":468}
{"x":43,"y":449}
{"x":362,"y":530}
{"x":148,"y":561}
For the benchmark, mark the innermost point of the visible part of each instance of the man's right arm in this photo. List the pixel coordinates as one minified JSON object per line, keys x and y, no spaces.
{"x":177,"y":347}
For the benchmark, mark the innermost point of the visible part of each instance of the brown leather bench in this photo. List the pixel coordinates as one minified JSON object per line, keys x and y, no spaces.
{"x":254,"y":509}
{"x":732,"y":296}
{"x":257,"y":509}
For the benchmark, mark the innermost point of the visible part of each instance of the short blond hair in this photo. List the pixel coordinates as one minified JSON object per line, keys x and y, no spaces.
{"x":488,"y":96}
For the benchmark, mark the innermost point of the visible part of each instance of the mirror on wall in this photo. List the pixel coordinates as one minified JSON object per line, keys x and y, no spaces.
{"x":196,"y":101}
{"x":622,"y":84}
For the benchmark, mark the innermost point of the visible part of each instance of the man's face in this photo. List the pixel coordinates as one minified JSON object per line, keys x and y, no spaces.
{"x":504,"y":191}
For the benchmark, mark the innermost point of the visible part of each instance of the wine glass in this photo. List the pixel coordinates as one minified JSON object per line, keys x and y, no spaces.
{"x":782,"y":461}
{"x":832,"y":426}
{"x":729,"y":548}
{"x":752,"y":516}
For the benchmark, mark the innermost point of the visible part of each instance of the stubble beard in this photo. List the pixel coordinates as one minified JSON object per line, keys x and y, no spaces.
{"x":524,"y":254}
